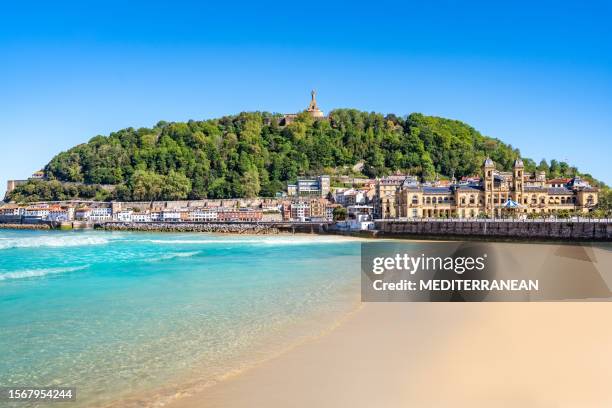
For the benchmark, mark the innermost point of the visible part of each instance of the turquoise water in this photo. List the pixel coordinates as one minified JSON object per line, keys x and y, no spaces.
{"x":132,"y":318}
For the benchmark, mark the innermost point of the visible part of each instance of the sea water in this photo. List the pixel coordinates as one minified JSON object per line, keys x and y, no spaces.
{"x":138,"y":318}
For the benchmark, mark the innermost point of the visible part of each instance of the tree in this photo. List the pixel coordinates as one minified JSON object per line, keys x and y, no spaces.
{"x":146,"y":186}
{"x":339,"y":214}
{"x":250,"y":183}
{"x":176,"y":186}
{"x":543,"y":166}
{"x":555,"y":169}
{"x":249,"y":154}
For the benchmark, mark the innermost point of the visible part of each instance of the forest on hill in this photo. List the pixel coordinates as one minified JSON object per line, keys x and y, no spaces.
{"x":250,"y":154}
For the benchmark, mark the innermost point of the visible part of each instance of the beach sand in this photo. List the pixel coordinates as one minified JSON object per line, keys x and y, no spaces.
{"x":438,"y":355}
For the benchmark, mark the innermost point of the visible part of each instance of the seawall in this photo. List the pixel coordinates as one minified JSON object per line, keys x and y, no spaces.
{"x":25,"y":226}
{"x":523,"y":230}
{"x":217,"y":227}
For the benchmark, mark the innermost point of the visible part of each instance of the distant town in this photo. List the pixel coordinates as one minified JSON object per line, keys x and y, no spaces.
{"x":494,"y":194}
{"x":347,"y":202}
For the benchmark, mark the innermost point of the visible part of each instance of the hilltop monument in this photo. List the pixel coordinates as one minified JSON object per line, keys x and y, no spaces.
{"x":313,"y":110}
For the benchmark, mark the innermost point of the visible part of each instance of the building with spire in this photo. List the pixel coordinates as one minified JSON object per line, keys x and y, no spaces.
{"x":496,"y":194}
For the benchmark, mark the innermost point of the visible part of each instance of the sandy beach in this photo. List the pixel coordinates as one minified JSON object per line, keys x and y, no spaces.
{"x":438,"y":355}
{"x":548,"y":354}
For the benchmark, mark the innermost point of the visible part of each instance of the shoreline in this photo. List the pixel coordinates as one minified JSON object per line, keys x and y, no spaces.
{"x":322,"y":358}
{"x":428,"y":354}
{"x":188,"y":388}
{"x":604,"y":234}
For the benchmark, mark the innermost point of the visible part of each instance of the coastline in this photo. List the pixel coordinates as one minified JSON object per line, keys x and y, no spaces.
{"x":311,"y":329}
{"x":289,"y":356}
{"x":427,"y":354}
{"x":498,"y":231}
{"x":42,"y":227}
{"x":440,"y":354}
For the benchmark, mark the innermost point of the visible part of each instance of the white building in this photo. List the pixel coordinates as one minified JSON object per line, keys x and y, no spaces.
{"x":41,"y":212}
{"x":141,"y":217}
{"x":171,"y":215}
{"x":100,"y":214}
{"x":12,"y":209}
{"x":124,"y":216}
{"x":361,"y":222}
{"x":203,"y":214}
{"x":350,"y":197}
{"x":57,"y":213}
{"x":300,"y":210}
{"x":82,"y":213}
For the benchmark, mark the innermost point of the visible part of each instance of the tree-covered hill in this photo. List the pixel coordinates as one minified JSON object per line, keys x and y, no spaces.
{"x":250,"y":154}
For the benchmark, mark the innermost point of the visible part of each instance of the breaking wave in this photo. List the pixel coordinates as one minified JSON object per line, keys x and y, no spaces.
{"x":35,"y":273}
{"x":52,"y":242}
{"x":255,"y":241}
{"x":174,"y":255}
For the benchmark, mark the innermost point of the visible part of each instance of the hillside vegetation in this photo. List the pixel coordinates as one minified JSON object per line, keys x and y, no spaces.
{"x":250,"y":155}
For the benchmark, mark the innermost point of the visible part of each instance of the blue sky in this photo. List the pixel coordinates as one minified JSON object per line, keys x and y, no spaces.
{"x":537,"y":75}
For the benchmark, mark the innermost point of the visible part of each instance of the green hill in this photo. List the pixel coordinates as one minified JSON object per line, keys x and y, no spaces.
{"x":250,"y":154}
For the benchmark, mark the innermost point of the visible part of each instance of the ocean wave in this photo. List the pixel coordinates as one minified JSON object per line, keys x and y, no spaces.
{"x":35,"y":273}
{"x":52,"y":242}
{"x":260,"y":241}
{"x":174,"y":255}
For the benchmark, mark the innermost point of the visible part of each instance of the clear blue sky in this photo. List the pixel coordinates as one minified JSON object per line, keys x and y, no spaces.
{"x":537,"y":75}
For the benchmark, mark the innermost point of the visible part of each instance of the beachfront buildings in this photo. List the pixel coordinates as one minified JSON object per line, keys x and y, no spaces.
{"x":318,"y":186}
{"x":100,"y":214}
{"x":495,"y":194}
{"x":313,"y":209}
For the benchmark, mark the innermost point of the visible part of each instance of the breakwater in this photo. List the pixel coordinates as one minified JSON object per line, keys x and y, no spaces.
{"x":228,"y":228}
{"x":25,"y":226}
{"x":508,"y":229}
{"x":264,"y":228}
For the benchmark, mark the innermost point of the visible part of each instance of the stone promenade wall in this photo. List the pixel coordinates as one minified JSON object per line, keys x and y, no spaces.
{"x":575,"y":231}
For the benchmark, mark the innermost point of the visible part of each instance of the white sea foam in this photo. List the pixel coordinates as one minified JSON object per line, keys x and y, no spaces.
{"x":173,"y":255}
{"x":34,"y":273}
{"x":255,"y":241}
{"x":50,"y":241}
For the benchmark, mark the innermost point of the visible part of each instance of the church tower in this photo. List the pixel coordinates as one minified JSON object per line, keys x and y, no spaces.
{"x":488,"y":168}
{"x":518,"y":170}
